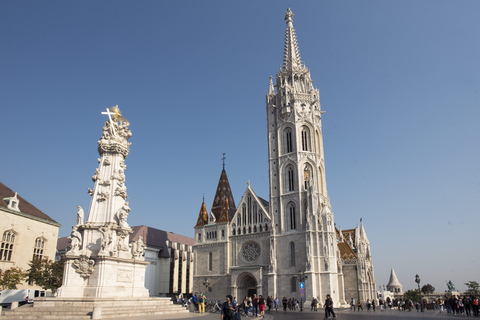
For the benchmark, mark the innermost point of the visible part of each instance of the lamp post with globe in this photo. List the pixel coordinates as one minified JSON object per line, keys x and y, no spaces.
{"x":417,"y":280}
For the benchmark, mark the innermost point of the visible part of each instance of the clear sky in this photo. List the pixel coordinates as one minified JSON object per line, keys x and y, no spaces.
{"x":399,"y":81}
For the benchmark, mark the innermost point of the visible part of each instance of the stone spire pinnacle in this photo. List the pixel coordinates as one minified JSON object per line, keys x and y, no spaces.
{"x":394,"y":285}
{"x":271,"y":90}
{"x":291,"y":58}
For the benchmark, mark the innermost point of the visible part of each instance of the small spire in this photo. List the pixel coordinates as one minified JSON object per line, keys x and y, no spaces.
{"x":202,"y":215}
{"x":271,"y":90}
{"x":291,"y":56}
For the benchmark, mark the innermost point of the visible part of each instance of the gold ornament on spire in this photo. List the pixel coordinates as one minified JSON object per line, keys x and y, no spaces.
{"x":117,"y":114}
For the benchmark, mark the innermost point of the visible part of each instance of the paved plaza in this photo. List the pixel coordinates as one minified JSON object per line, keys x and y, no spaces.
{"x":342,"y":314}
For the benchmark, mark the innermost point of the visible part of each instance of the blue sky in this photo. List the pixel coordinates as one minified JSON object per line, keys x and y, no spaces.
{"x":399,"y":81}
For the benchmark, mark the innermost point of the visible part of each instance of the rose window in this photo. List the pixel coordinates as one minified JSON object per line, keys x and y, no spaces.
{"x":251,"y":251}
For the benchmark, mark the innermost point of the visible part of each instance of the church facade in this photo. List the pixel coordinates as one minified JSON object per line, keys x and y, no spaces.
{"x":269,"y":247}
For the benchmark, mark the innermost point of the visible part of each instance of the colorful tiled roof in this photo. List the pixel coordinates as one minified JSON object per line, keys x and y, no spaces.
{"x":346,"y":252}
{"x":25,"y":207}
{"x":202,"y":216}
{"x":223,"y":192}
{"x":224,"y":214}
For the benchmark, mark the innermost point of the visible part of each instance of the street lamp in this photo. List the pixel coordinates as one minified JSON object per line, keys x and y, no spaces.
{"x":417,"y":280}
{"x":301,"y":278}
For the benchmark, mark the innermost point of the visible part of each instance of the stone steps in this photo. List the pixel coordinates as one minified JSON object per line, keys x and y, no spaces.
{"x":77,"y":309}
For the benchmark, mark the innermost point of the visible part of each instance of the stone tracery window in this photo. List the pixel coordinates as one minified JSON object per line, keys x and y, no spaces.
{"x":6,"y":249}
{"x":38,"y":249}
{"x":251,"y":251}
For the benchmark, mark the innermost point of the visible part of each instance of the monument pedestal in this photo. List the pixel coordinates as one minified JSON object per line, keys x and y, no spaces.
{"x":111,"y":277}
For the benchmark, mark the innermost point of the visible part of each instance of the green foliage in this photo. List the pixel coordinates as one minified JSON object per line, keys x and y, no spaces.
{"x":473,"y":288}
{"x":9,"y":279}
{"x":413,"y":295}
{"x":46,"y":273}
{"x":428,"y":289}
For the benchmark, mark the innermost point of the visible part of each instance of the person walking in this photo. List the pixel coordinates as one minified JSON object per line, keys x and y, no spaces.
{"x":269,"y":303}
{"x":261,"y":306}
{"x":255,"y":305}
{"x":195,"y":302}
{"x":276,"y":302}
{"x":373,"y":304}
{"x":248,"y":305}
{"x":329,"y":307}
{"x":228,"y":309}
{"x":352,"y":304}
{"x":314,"y":304}
{"x":284,"y":301}
{"x":359,"y":305}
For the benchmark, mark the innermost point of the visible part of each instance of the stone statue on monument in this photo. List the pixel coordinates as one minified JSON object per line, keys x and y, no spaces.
{"x":138,"y":248}
{"x":80,"y":215}
{"x":122,"y":215}
{"x":75,"y":241}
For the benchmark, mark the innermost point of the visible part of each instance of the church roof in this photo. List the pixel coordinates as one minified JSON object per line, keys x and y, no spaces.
{"x":224,"y":213}
{"x":26,"y":208}
{"x":202,"y":216}
{"x":346,"y":233}
{"x":346,"y":252}
{"x":223,"y":192}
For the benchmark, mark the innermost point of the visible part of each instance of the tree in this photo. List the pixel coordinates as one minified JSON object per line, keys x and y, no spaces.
{"x":46,"y":273}
{"x":9,"y":279}
{"x":428,"y":289}
{"x":413,"y":295}
{"x":473,"y":288}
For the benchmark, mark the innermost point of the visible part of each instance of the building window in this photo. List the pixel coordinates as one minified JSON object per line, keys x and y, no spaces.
{"x":293,"y":218}
{"x":199,"y":236}
{"x":223,"y":233}
{"x":288,"y":140}
{"x":210,"y":261}
{"x":38,"y":249}
{"x":291,"y":186}
{"x":6,"y":249}
{"x":305,"y":139}
{"x":244,"y":214}
{"x":292,"y":254}
{"x":293,"y":284}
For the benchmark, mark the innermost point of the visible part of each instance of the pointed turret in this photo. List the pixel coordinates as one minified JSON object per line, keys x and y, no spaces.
{"x":394,"y":285}
{"x":223,"y":192}
{"x":363,"y":234}
{"x":271,"y":90}
{"x":202,"y":216}
{"x":291,"y":58}
{"x":224,"y":213}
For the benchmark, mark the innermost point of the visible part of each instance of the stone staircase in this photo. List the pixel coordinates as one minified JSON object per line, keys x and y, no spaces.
{"x":60,"y":308}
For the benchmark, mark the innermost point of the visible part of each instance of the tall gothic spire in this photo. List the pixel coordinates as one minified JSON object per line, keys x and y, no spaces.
{"x":291,"y":58}
{"x":223,"y":192}
{"x":202,"y":215}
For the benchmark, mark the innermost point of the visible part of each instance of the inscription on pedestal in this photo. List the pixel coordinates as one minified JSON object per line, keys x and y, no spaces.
{"x":124,"y":275}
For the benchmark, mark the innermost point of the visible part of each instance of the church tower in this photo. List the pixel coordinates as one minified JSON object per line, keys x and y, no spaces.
{"x":303,"y":225}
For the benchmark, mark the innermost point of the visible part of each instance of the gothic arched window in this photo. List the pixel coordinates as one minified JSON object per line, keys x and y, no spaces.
{"x":292,"y":217}
{"x":291,"y":179}
{"x":6,"y":249}
{"x":305,"y":139}
{"x":288,"y":140}
{"x":244,"y":214}
{"x":38,"y":249}
{"x":292,"y":254}
{"x":210,"y":261}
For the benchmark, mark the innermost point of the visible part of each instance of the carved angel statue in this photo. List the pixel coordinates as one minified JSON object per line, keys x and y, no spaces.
{"x":138,"y":248}
{"x":80,"y":215}
{"x":75,"y":241}
{"x":122,"y":215}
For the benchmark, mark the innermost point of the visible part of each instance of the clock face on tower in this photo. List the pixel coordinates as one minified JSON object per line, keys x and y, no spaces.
{"x":251,"y":251}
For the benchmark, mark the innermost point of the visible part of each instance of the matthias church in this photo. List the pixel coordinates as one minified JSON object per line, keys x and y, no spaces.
{"x":268,"y":247}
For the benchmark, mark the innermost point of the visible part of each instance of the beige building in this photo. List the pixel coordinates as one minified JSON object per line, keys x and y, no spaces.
{"x":26,"y":233}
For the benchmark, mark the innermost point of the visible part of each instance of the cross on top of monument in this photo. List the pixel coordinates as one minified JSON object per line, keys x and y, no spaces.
{"x":109,"y":113}
{"x":223,"y":158}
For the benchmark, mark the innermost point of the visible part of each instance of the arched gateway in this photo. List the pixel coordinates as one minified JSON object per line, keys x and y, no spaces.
{"x":246,"y":286}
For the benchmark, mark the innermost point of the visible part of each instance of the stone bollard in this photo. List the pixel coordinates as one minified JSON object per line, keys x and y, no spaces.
{"x":14,"y":305}
{"x":97,"y":313}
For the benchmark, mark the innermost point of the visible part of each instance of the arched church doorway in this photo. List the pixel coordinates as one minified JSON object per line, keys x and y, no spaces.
{"x":247,"y":286}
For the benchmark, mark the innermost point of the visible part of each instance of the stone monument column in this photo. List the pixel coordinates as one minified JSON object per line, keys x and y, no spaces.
{"x":101,"y":262}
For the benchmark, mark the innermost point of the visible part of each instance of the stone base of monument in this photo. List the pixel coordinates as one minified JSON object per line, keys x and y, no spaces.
{"x":110,"y":278}
{"x":95,"y":308}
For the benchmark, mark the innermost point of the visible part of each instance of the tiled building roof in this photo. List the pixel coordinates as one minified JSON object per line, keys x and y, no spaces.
{"x":223,"y":192}
{"x":346,"y":252}
{"x":25,"y":207}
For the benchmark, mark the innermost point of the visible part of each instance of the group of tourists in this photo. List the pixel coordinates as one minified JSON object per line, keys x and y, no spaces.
{"x":465,"y":306}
